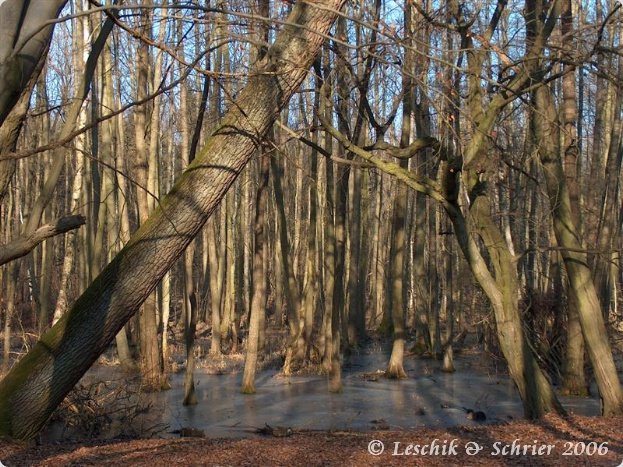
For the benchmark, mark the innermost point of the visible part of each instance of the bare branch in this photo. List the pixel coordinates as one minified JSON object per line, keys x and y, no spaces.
{"x":404,"y":153}
{"x":417,"y":182}
{"x":321,"y":150}
{"x":24,"y":245}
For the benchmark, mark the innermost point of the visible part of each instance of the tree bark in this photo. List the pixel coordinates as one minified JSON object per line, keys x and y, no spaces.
{"x":151,"y":361}
{"x":284,"y":257}
{"x":190,"y":326}
{"x":216,"y":287}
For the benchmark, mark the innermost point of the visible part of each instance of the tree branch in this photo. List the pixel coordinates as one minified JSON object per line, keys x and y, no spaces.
{"x":24,"y":245}
{"x":417,"y":182}
{"x":404,"y":153}
{"x":322,"y":151}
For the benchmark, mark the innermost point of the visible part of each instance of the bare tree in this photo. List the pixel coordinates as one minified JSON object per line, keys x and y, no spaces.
{"x":38,"y":383}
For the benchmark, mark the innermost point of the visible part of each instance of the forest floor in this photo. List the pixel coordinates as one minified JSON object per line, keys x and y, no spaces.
{"x":552,"y":441}
{"x":574,"y":440}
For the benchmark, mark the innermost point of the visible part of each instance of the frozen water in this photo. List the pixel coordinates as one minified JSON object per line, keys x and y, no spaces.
{"x":428,"y":397}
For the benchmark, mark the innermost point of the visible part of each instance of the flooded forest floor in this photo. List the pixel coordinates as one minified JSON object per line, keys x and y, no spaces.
{"x":108,"y":420}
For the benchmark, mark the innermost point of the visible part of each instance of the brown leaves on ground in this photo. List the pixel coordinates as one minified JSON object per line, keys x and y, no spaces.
{"x":349,"y":448}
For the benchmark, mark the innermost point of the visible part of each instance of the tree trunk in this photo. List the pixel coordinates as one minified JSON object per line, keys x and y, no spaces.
{"x":535,"y":390}
{"x":311,"y":278}
{"x":260,"y":256}
{"x":581,"y":284}
{"x":284,"y":257}
{"x":22,"y":31}
{"x":573,"y":372}
{"x":190,"y":326}
{"x":40,"y":381}
{"x":152,"y":365}
{"x":258,"y":300}
{"x":397,"y":291}
{"x":331,"y":319}
{"x":396,"y":304}
{"x":448,"y":305}
{"x":228,"y":325}
{"x":216,"y":281}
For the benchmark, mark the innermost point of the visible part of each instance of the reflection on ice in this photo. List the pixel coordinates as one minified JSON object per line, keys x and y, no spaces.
{"x":428,"y":398}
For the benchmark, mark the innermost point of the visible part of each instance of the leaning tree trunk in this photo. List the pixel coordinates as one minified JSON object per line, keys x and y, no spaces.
{"x":21,"y":31}
{"x":11,"y":122}
{"x":502,"y":290}
{"x":10,"y":130}
{"x":40,"y":381}
{"x":581,"y":285}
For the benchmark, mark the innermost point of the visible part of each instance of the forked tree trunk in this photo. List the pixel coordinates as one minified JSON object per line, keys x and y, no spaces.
{"x":536,"y":392}
{"x":501,"y":287}
{"x":40,"y":381}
